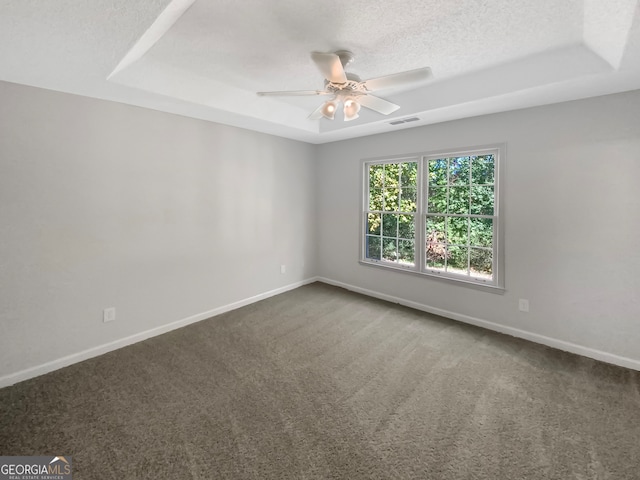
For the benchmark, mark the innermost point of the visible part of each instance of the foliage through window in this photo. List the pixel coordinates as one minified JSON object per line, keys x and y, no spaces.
{"x":435,"y":214}
{"x":392,"y":210}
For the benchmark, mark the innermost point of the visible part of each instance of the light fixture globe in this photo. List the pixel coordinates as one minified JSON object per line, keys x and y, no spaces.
{"x":351,"y":109}
{"x":329,"y":109}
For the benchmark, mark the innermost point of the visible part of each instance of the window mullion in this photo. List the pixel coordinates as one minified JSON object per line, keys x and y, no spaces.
{"x":364,"y":221}
{"x":398,"y":203}
{"x":494,"y":257}
{"x":421,"y":207}
{"x":446,"y":220}
{"x":469,"y":220}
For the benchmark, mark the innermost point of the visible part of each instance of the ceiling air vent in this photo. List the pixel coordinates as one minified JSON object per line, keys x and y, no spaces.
{"x":404,"y":120}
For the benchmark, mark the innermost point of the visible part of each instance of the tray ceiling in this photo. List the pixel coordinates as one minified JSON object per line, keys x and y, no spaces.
{"x":207,"y":58}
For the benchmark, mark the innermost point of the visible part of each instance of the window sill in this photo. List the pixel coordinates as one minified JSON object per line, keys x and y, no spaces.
{"x":452,"y":281}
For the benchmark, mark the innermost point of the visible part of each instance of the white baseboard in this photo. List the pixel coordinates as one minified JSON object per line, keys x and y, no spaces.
{"x":514,"y":332}
{"x":38,"y":370}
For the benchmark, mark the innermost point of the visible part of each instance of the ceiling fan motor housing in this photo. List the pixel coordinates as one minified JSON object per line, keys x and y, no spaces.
{"x":345,"y":56}
{"x":353,"y":86}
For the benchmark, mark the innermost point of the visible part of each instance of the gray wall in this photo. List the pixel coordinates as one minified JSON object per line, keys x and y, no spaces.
{"x":160,"y":216}
{"x":164,"y":217}
{"x":572,"y":220}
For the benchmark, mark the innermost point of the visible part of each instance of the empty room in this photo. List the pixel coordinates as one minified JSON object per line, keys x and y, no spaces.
{"x":320,"y":240}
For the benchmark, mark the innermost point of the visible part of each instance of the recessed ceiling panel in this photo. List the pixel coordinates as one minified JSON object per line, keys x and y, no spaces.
{"x":208,"y":58}
{"x":266,"y":45}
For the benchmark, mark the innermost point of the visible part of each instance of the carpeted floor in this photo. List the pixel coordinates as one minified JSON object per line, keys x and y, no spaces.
{"x":322,"y":383}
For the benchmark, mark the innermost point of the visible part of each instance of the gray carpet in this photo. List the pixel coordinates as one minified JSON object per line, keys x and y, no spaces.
{"x":323,"y":383}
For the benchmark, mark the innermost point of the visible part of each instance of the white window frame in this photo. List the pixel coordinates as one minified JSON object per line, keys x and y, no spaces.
{"x":496,"y":284}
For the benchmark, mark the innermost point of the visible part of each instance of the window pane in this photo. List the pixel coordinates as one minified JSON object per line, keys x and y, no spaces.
{"x":457,"y":231}
{"x":375,"y":199}
{"x":482,"y":168}
{"x":435,"y":229}
{"x":389,"y":249}
{"x":376,"y":176}
{"x":406,"y":252}
{"x":481,"y":232}
{"x":390,"y":225}
{"x":482,"y":200}
{"x":408,"y":199}
{"x":391,"y":199}
{"x":436,"y":248}
{"x":457,"y":259}
{"x":459,"y":200}
{"x":409,"y":175}
{"x":373,"y":247}
{"x":481,"y":263}
{"x":406,"y":227}
{"x":391,"y":175}
{"x":459,"y":170}
{"x":436,"y":255}
{"x":437,"y":200}
{"x":438,"y":171}
{"x":373,"y":223}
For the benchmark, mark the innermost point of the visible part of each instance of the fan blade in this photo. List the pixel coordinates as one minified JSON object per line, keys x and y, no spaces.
{"x":398,"y":79}
{"x":330,"y":66}
{"x":317,"y":113}
{"x":377,"y":104}
{"x":295,"y":93}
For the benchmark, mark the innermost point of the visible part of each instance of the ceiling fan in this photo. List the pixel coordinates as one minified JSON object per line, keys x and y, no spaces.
{"x":350,"y":90}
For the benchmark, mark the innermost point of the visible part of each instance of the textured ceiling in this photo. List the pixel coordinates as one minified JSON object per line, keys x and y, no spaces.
{"x":266,"y":45}
{"x":207,"y":58}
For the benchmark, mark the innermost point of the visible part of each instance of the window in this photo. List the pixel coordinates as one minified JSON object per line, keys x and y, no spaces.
{"x":391,"y":218}
{"x":436,"y":215}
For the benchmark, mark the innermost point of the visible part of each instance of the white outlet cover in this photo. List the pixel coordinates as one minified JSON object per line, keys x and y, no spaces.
{"x":109,"y":314}
{"x":523,"y":305}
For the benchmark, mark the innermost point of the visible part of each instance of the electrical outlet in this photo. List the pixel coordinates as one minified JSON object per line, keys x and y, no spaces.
{"x":523,"y":305}
{"x":283,"y":269}
{"x":109,"y":314}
